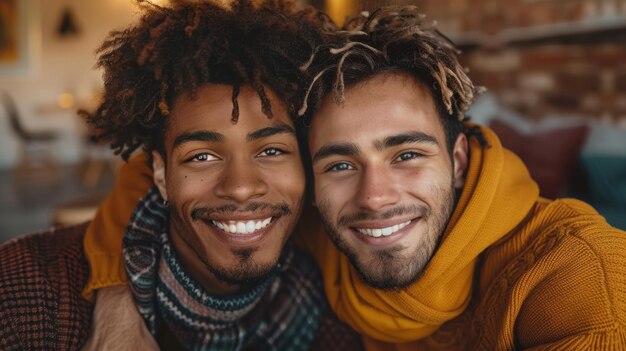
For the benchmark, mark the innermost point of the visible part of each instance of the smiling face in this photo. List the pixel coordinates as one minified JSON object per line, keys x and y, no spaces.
{"x":384,"y":178}
{"x":235,"y":190}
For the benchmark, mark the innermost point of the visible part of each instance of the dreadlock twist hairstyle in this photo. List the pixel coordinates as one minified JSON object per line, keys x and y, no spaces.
{"x":178,"y":48}
{"x":393,"y":39}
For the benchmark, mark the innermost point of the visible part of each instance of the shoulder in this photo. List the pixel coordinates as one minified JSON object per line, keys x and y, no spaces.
{"x":584,"y":237}
{"x":597,"y":257}
{"x":569,"y":226}
{"x":41,"y":277}
{"x":43,"y":254}
{"x":574,"y":275}
{"x":44,"y":243}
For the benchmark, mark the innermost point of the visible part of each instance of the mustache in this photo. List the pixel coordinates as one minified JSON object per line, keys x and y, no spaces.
{"x":416,"y":210}
{"x":199,"y":213}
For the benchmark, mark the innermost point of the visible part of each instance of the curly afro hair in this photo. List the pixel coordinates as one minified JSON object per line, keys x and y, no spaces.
{"x":178,"y":48}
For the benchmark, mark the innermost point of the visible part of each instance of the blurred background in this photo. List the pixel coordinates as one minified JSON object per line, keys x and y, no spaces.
{"x":555,"y":73}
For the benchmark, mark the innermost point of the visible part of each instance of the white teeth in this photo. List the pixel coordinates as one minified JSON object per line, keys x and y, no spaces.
{"x":242,"y":227}
{"x":377,"y":232}
{"x":250,"y":227}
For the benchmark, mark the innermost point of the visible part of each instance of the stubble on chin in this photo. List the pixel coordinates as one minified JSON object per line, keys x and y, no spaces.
{"x":392,"y":268}
{"x":395,"y":267}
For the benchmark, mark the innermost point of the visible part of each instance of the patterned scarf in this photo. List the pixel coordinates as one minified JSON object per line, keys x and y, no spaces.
{"x":281,"y":313}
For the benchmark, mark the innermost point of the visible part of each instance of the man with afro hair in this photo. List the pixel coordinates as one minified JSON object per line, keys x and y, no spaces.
{"x":209,"y":91}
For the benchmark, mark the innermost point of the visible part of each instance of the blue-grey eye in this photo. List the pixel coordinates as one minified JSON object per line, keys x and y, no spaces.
{"x":405,"y":156}
{"x":340,"y":167}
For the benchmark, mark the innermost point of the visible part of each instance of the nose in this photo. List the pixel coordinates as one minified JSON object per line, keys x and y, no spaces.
{"x":377,"y":189}
{"x":241,"y":182}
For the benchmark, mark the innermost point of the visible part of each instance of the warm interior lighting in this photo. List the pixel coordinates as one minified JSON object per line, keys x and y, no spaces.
{"x":65,"y":100}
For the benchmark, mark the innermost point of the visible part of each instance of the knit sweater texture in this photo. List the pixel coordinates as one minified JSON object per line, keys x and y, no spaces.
{"x":513,"y":271}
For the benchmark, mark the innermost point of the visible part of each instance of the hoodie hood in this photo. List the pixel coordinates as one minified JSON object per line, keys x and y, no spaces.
{"x":497,"y":195}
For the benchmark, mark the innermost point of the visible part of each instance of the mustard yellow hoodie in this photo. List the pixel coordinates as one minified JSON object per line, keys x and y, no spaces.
{"x":513,"y":271}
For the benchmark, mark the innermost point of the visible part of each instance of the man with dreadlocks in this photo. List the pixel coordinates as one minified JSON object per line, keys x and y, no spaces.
{"x":209,"y":91}
{"x":444,"y":242}
{"x":436,"y":235}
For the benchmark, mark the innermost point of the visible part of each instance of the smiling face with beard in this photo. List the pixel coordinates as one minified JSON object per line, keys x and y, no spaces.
{"x":385,"y":182}
{"x":392,"y":266}
{"x":235,"y":189}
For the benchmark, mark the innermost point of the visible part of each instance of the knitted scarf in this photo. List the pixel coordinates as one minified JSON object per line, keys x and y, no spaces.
{"x":281,"y":313}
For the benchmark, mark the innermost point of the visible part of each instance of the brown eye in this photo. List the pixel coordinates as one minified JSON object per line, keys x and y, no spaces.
{"x":272,"y":151}
{"x":202,"y":157}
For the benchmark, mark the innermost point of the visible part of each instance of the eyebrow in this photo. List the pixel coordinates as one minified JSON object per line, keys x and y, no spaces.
{"x":269,"y":131}
{"x":406,"y":138}
{"x":351,"y":149}
{"x":344,"y":149}
{"x":207,"y":135}
{"x":203,"y":135}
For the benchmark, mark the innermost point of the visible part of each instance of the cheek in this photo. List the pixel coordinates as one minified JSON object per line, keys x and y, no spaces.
{"x":288,"y":181}
{"x":185,"y":186}
{"x":425,"y":183}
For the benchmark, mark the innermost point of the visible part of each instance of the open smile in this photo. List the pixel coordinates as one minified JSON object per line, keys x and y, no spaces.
{"x":386,"y":231}
{"x":383,"y":233}
{"x":241,"y":231}
{"x":242,"y":227}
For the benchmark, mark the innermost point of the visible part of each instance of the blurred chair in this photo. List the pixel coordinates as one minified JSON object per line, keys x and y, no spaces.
{"x":98,"y":158}
{"x":77,"y":210}
{"x":36,"y":161}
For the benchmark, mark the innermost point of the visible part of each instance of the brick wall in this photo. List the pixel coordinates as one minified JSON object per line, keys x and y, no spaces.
{"x":574,"y":64}
{"x":587,"y":80}
{"x":491,"y":16}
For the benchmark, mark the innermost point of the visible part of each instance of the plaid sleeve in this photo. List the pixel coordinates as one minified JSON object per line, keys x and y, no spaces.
{"x":41,"y":277}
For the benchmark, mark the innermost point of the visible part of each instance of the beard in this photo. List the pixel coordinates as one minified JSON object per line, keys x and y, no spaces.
{"x":392,"y":268}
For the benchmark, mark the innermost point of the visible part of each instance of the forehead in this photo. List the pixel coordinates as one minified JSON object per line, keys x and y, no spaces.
{"x":212,"y":106}
{"x":384,"y":105}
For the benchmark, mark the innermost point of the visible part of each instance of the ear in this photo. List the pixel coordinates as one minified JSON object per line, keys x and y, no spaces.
{"x":460,"y":157}
{"x":158,"y":175}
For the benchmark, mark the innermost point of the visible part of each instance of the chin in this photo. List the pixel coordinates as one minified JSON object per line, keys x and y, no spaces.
{"x":388,"y":268}
{"x":387,"y":272}
{"x":243,"y":273}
